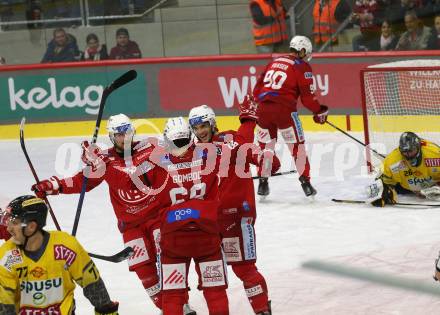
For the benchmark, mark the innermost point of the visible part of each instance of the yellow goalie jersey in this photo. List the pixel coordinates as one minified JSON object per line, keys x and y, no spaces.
{"x":45,"y":286}
{"x":397,"y":170}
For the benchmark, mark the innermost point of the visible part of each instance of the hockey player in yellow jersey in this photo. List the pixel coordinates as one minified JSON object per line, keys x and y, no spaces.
{"x":39,"y":269}
{"x":413,"y":167}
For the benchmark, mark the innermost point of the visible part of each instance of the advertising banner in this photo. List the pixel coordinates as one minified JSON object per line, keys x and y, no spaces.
{"x":171,"y":86}
{"x":67,"y":96}
{"x":336,"y":84}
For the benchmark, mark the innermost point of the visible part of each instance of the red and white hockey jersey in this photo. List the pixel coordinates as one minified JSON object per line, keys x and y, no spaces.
{"x":284,"y":80}
{"x":130,"y":203}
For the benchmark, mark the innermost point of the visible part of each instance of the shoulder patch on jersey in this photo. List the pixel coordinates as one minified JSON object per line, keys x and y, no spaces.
{"x":432,"y":162}
{"x":62,"y":252}
{"x":397,"y":167}
{"x":11,"y":258}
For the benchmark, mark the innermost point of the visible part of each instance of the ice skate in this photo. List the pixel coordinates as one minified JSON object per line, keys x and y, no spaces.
{"x":187,"y":310}
{"x":263,"y":188}
{"x":308,"y":189}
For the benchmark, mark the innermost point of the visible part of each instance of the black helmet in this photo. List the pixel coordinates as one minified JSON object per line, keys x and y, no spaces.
{"x":28,"y":208}
{"x":409,"y":146}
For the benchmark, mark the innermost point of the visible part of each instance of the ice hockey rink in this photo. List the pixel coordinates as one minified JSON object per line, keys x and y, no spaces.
{"x":290,"y":230}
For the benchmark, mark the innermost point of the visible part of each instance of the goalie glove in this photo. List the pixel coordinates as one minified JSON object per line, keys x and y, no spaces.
{"x":431,"y":193}
{"x":380,"y":194}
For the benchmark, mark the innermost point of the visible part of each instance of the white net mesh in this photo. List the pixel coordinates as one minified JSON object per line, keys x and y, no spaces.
{"x":401,"y":96}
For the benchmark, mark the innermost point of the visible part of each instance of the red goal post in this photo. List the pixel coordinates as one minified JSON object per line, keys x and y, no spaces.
{"x":397,"y":97}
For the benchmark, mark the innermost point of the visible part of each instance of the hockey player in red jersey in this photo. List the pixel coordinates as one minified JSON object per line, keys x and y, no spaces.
{"x":283,"y":81}
{"x":187,"y":177}
{"x":237,"y":211}
{"x":137,"y":212}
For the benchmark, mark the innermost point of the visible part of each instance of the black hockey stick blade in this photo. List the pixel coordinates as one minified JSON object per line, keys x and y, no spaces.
{"x":277,"y":174}
{"x":397,"y":203}
{"x":122,"y":80}
{"x":116,"y":258}
{"x":31,"y":166}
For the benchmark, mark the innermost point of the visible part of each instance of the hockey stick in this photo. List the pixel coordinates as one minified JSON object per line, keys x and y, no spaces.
{"x":360,"y":142}
{"x":373,"y":277}
{"x":124,"y":254}
{"x":397,"y":203}
{"x":277,"y":174}
{"x":31,"y":166}
{"x":118,"y":257}
{"x":122,"y":80}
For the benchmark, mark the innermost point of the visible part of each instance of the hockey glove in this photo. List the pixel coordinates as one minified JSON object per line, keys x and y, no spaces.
{"x":431,"y":193}
{"x":110,"y":309}
{"x":4,"y":234}
{"x":92,"y":155}
{"x":320,"y":117}
{"x":248,"y":109}
{"x":49,"y":186}
{"x":380,"y":194}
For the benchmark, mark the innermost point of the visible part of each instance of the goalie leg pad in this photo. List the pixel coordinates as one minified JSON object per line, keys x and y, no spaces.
{"x":431,"y":193}
{"x":254,"y":284}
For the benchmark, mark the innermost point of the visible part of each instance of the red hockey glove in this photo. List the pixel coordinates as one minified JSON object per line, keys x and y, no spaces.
{"x":321,"y":116}
{"x":248,"y":109}
{"x":92,"y":155}
{"x":4,"y":234}
{"x":110,"y":309}
{"x":49,"y":186}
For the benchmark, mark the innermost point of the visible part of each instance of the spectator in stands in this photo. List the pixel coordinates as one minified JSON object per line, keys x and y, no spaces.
{"x":434,"y":39}
{"x":387,"y":40}
{"x":396,"y":11}
{"x":61,"y":48}
{"x":33,"y":13}
{"x":269,"y":25}
{"x":94,"y":51}
{"x":431,"y":9}
{"x":365,"y":15}
{"x":324,"y":21}
{"x":417,"y":35}
{"x":2,"y":61}
{"x":125,"y":48}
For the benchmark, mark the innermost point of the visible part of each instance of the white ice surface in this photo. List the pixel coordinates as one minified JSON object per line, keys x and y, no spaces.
{"x":290,"y":230}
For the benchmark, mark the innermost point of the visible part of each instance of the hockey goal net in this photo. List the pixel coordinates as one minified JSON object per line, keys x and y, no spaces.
{"x":400,"y":96}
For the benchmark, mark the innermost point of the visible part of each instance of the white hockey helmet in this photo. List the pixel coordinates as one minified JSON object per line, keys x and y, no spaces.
{"x":177,"y":135}
{"x":119,"y":123}
{"x":299,"y":42}
{"x":200,"y":114}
